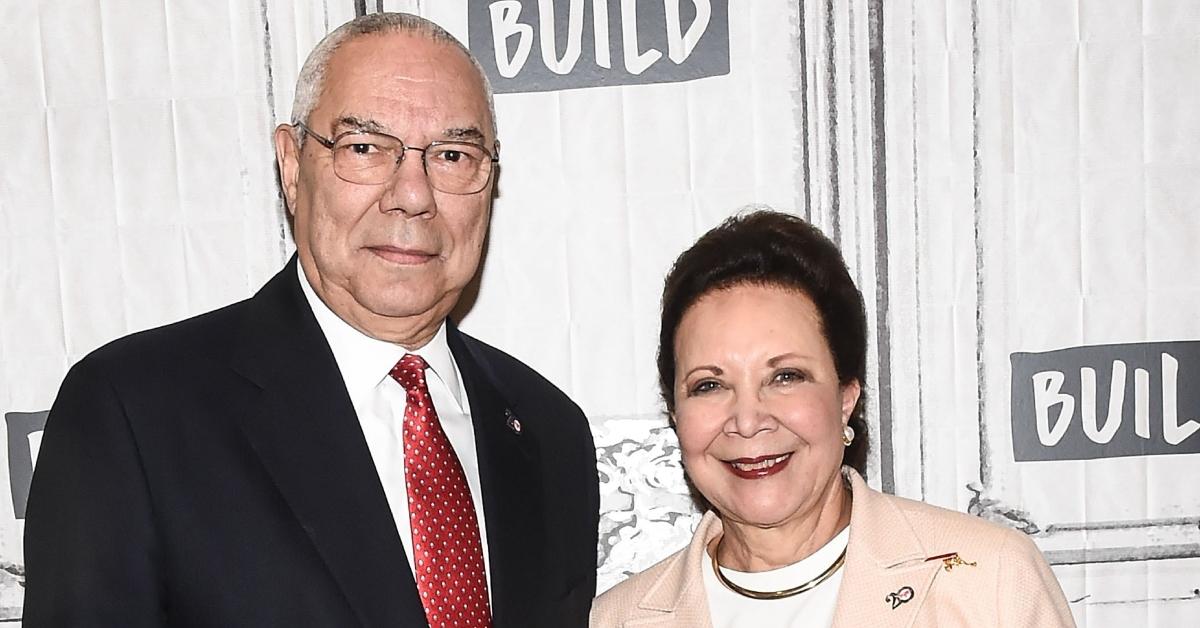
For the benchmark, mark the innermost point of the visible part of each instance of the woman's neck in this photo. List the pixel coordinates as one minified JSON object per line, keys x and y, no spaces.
{"x":750,"y":548}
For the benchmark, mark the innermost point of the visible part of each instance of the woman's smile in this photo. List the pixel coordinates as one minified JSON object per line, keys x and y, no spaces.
{"x":760,"y":467}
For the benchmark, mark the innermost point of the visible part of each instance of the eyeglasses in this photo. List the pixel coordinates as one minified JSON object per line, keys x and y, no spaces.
{"x":372,"y":158}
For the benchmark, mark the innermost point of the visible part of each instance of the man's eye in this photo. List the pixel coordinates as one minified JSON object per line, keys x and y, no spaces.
{"x":456,"y":156}
{"x":363,"y":149}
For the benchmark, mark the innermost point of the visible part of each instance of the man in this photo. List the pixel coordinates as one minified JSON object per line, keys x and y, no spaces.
{"x":332,"y":451}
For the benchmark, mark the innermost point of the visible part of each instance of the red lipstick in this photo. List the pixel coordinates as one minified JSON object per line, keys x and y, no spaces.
{"x":760,"y":467}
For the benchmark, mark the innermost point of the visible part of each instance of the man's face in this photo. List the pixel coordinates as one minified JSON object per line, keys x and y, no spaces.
{"x":390,"y":259}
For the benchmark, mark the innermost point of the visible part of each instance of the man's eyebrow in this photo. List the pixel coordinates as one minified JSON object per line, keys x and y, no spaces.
{"x":464,"y":133}
{"x":371,"y":126}
{"x":358,"y":124}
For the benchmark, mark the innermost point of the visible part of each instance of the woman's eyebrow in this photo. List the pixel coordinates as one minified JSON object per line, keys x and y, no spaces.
{"x":706,"y":367}
{"x":785,"y":356}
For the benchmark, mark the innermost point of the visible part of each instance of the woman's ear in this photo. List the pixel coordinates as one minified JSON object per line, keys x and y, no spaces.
{"x":850,"y":394}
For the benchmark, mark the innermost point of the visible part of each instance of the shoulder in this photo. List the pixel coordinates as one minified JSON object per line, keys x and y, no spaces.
{"x":936,"y":521}
{"x":517,"y":378}
{"x":896,"y":527}
{"x":944,"y":531}
{"x":1007,"y":578}
{"x":135,"y":381}
{"x":558,"y":422}
{"x":276,"y":313}
{"x":204,"y":337}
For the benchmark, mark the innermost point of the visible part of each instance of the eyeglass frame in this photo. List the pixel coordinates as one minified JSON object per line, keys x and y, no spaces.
{"x":330,"y":143}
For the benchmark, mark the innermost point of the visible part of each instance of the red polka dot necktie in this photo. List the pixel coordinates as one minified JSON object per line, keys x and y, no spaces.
{"x":447,"y":554}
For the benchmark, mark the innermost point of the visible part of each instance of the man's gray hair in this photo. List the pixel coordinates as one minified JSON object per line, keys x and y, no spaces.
{"x":312,"y":75}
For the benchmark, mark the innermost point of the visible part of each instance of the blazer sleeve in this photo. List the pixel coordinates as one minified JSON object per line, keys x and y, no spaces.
{"x":1027,"y":592}
{"x":90,"y":548}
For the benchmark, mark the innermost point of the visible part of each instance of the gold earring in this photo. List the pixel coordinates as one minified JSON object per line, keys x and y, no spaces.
{"x":847,"y":435}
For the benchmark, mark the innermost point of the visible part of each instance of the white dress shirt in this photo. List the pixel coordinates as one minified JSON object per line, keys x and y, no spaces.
{"x":811,"y":609}
{"x":379,"y":401}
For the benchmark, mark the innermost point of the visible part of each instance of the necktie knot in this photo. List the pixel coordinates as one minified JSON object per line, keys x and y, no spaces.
{"x":409,"y":372}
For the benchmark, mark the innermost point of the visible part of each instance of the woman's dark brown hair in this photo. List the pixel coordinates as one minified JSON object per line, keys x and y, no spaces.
{"x":769,"y":248}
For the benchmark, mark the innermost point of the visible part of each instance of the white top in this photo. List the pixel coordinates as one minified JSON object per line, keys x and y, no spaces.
{"x":379,"y":401}
{"x":811,"y":609}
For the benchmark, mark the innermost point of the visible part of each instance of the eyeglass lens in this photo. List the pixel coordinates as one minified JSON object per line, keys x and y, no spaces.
{"x":371,"y":158}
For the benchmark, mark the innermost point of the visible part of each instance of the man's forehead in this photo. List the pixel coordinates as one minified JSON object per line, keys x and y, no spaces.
{"x":414,"y":56}
{"x":372,"y":70}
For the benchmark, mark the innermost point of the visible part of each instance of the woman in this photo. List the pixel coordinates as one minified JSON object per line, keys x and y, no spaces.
{"x":762,"y":354}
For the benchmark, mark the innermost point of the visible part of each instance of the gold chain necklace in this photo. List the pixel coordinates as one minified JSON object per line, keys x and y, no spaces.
{"x":777,"y":595}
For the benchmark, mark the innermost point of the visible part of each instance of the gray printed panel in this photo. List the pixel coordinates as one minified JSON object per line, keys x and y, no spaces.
{"x":24,"y":434}
{"x":1106,"y":401}
{"x":532,"y":46}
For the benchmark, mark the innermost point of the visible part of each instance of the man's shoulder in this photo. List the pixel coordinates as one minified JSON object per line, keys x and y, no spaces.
{"x":215,"y":333}
{"x":210,"y":334}
{"x":510,"y":372}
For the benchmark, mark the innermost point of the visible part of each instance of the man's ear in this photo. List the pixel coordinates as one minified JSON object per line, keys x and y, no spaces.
{"x":287,"y":156}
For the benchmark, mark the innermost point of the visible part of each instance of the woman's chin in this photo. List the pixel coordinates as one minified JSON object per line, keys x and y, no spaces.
{"x":762,"y":513}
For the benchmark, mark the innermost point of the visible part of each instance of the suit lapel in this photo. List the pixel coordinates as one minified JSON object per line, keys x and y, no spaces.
{"x":887,"y":575}
{"x":678,"y":592}
{"x":307,"y":435}
{"x":509,"y":474}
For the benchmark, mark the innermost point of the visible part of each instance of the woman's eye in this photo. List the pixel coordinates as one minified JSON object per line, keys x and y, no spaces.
{"x":789,"y":376}
{"x":703,"y":386}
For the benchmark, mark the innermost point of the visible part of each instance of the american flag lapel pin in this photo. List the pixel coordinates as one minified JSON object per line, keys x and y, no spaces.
{"x":513,"y":422}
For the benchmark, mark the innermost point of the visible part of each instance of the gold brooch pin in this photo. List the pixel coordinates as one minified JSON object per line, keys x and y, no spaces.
{"x":950,"y":561}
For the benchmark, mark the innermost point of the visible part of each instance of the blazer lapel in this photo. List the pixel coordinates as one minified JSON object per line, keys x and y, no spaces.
{"x":307,"y":435}
{"x":887,"y":575}
{"x":509,"y":475}
{"x":678,"y":593}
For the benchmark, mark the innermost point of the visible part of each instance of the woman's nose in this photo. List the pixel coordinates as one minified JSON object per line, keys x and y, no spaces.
{"x":749,"y":416}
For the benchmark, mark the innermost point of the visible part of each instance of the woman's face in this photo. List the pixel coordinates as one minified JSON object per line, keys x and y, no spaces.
{"x":758,"y":407}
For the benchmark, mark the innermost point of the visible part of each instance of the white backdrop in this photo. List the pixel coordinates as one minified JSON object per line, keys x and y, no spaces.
{"x":1004,"y":177}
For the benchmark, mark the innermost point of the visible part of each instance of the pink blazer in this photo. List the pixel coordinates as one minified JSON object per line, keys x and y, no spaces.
{"x":894,"y":576}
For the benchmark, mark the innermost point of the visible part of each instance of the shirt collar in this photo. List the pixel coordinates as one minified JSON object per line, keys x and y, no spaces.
{"x":365,"y":361}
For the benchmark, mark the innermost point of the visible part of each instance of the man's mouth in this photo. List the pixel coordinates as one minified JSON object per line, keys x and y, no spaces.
{"x":399,"y":255}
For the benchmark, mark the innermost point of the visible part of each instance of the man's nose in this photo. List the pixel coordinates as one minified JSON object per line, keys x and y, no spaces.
{"x":408,"y":190}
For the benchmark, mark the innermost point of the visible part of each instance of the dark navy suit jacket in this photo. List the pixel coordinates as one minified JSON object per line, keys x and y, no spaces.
{"x":213,"y":473}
